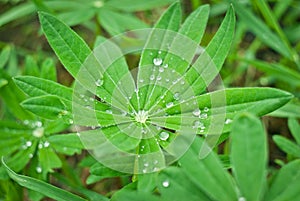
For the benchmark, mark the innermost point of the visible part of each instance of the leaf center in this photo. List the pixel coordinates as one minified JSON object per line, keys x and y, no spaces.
{"x":141,"y":116}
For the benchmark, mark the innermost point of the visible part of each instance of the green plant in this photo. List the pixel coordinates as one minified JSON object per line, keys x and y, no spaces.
{"x":108,"y":105}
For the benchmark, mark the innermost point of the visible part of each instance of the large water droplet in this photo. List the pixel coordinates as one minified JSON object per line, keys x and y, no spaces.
{"x":46,"y":144}
{"x":242,"y":199}
{"x":28,"y":143}
{"x":99,"y":82}
{"x":196,"y":112}
{"x":157,"y":61}
{"x":38,"y":132}
{"x":38,"y":169}
{"x":166,"y":184}
{"x":170,"y":104}
{"x":164,"y":136}
{"x":228,"y":121}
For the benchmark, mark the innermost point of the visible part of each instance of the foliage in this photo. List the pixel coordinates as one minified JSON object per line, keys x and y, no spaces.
{"x":180,"y":134}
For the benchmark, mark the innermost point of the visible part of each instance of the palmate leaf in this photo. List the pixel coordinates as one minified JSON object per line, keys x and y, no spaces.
{"x":143,"y":116}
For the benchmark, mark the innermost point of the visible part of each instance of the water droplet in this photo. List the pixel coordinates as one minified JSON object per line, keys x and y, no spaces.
{"x":167,"y":79}
{"x":203,"y":116}
{"x":141,"y":80}
{"x":146,"y":164}
{"x":206,"y":109}
{"x":164,"y":136}
{"x":242,"y":199}
{"x":158,"y":78}
{"x":228,"y":121}
{"x":182,"y":82}
{"x":99,"y":82}
{"x":108,"y":111}
{"x":28,"y":143}
{"x":157,"y":61}
{"x":71,"y":121}
{"x":166,"y":184}
{"x":38,"y":132}
{"x":38,"y":169}
{"x":144,"y":170}
{"x":173,"y":71}
{"x":38,"y":124}
{"x":78,"y":134}
{"x":166,"y":66}
{"x":124,"y":113}
{"x":46,"y":144}
{"x":161,"y":69}
{"x":196,"y":112}
{"x":40,"y":146}
{"x":176,"y":96}
{"x":26,"y":122}
{"x":159,"y":52}
{"x":170,"y":104}
{"x":30,"y":155}
{"x":196,"y":124}
{"x":152,"y":77}
{"x":155,"y":162}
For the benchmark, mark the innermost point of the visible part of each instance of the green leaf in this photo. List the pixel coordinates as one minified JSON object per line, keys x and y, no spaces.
{"x":129,"y":195}
{"x":259,"y":101}
{"x":31,"y":67}
{"x":47,"y":106}
{"x":294,"y":127}
{"x":16,"y":12}
{"x":287,"y":145}
{"x":262,"y":31}
{"x":4,"y":56}
{"x":48,"y":70}
{"x":48,"y":159}
{"x":34,"y":86}
{"x":129,"y":6}
{"x":285,"y":185}
{"x":42,"y":187}
{"x":147,"y":182}
{"x":76,"y":16}
{"x":104,"y":172}
{"x":282,"y":73}
{"x":68,"y":46}
{"x":249,"y":155}
{"x":289,"y":110}
{"x":117,"y":23}
{"x":207,"y":173}
{"x":12,"y":97}
{"x":174,"y":185}
{"x":207,"y":66}
{"x":66,"y":143}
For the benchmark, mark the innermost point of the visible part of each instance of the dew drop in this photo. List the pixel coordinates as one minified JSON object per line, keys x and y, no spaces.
{"x":196,"y":124}
{"x":146,"y":164}
{"x":40,"y":146}
{"x":144,"y":170}
{"x":159,"y":52}
{"x":196,"y":112}
{"x":242,"y":199}
{"x":176,"y":96}
{"x":170,"y":104}
{"x":164,"y":136}
{"x":166,"y":184}
{"x":28,"y":143}
{"x":161,"y":69}
{"x":152,"y":77}
{"x":182,"y":82}
{"x":108,"y":111}
{"x":141,"y":80}
{"x":206,"y":109}
{"x":46,"y":144}
{"x":155,"y":162}
{"x":203,"y":116}
{"x":167,"y":79}
{"x":38,"y":124}
{"x":38,"y":169}
{"x":30,"y":155}
{"x":158,"y":78}
{"x":228,"y":121}
{"x":166,"y":66}
{"x":157,"y":61}
{"x":38,"y":132}
{"x":71,"y":121}
{"x":99,"y":82}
